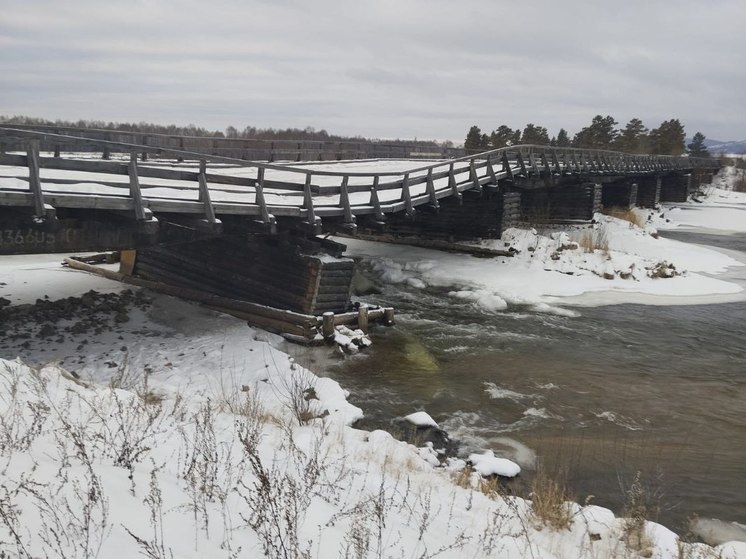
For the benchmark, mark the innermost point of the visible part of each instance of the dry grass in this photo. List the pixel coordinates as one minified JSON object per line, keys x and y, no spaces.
{"x":637,"y":510}
{"x":626,"y":214}
{"x":591,"y":241}
{"x":550,"y":499}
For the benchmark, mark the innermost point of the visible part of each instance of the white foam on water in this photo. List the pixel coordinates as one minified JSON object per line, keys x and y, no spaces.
{"x":498,"y":393}
{"x":540,"y":413}
{"x":457,"y":349}
{"x":618,"y":419}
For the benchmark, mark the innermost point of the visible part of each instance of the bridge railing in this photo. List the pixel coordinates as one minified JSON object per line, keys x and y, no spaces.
{"x":267,"y":190}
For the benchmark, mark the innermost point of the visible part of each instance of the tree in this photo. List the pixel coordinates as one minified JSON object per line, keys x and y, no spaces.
{"x":473,"y":140}
{"x":563,"y":140}
{"x":697,"y":146}
{"x":504,"y":136}
{"x":533,"y":134}
{"x":668,"y":138}
{"x":601,"y":134}
{"x":633,"y":139}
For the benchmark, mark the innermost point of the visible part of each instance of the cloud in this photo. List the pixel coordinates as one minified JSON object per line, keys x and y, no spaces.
{"x":425,"y":68}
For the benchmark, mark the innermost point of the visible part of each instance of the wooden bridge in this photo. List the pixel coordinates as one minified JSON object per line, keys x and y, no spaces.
{"x":191,"y":206}
{"x":306,"y":193}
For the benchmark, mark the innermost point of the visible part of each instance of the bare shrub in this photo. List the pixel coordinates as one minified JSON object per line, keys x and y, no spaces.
{"x":20,"y":424}
{"x":550,"y":499}
{"x":625,"y":214}
{"x":154,"y":548}
{"x":277,"y":503}
{"x":297,"y":394}
{"x":637,"y":510}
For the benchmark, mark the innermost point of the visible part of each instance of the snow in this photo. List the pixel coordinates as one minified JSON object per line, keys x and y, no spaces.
{"x":610,"y":261}
{"x":421,"y":419}
{"x":487,"y":464}
{"x":192,"y":444}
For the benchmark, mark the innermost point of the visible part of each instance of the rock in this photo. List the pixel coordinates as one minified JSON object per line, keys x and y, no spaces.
{"x":47,"y":331}
{"x":4,"y":302}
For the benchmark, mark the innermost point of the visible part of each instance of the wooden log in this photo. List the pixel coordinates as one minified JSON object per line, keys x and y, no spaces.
{"x":127,"y":259}
{"x":327,"y":326}
{"x":388,"y":316}
{"x":266,"y":323}
{"x":362,"y":318}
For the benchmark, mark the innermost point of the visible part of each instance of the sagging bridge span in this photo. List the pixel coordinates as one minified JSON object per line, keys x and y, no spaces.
{"x":190,"y":214}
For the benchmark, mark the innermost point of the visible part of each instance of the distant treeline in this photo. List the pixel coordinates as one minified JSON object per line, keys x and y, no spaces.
{"x":249,"y":132}
{"x":602,"y":133}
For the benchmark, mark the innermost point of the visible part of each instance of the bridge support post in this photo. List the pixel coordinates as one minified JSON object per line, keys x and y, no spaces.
{"x":511,"y":209}
{"x":622,"y":194}
{"x":572,"y":202}
{"x":675,"y":188}
{"x":283,"y":273}
{"x":648,"y":191}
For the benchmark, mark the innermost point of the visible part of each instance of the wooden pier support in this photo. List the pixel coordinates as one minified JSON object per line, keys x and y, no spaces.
{"x":571,"y":202}
{"x":485,"y":213}
{"x":262,"y":269}
{"x":648,"y":191}
{"x":621,"y":194}
{"x":676,"y":188}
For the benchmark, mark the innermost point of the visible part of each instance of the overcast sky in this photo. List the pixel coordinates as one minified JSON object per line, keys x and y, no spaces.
{"x":422,"y":68}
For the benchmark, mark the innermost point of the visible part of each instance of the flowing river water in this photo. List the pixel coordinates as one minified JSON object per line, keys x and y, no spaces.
{"x":619,"y":389}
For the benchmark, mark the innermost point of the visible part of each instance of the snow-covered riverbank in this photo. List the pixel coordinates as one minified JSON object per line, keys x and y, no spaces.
{"x":176,"y":430}
{"x":612,"y":261}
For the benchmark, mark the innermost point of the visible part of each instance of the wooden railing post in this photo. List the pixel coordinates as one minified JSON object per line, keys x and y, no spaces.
{"x":375,"y":202}
{"x":267,"y":219}
{"x":473,"y":175}
{"x":204,"y":192}
{"x":491,"y":171}
{"x":34,"y":178}
{"x":521,"y":164}
{"x":452,"y":183}
{"x":406,"y":195}
{"x":506,"y":166}
{"x":344,"y":201}
{"x":312,"y":220}
{"x":135,"y":193}
{"x":433,"y":199}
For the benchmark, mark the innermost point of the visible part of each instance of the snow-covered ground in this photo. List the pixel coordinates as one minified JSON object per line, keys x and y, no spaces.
{"x":169,"y":430}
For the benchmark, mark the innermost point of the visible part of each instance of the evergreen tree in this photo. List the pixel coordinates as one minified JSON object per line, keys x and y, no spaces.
{"x":473,"y":140}
{"x":697,"y":146}
{"x":601,"y":134}
{"x":533,"y":134}
{"x":633,"y":139}
{"x":668,"y":138}
{"x":563,"y":140}
{"x":503,"y":136}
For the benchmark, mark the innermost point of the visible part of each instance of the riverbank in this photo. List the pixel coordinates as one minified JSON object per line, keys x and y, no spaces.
{"x":160,"y":418}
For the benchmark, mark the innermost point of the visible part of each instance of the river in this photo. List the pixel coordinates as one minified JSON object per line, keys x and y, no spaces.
{"x":619,"y":389}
